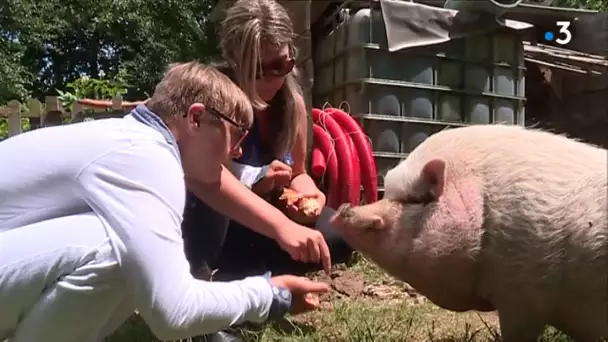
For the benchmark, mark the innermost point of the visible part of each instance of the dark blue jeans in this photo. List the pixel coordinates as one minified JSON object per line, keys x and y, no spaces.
{"x":213,"y":241}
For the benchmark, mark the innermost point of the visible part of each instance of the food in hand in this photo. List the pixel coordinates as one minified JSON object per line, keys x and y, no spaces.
{"x":301,"y":209}
{"x":308,"y":206}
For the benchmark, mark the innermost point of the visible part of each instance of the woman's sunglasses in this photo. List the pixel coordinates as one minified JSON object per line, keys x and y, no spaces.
{"x":279,"y":67}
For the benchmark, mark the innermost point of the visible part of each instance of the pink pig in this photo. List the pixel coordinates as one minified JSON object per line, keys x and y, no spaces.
{"x":495,"y":217}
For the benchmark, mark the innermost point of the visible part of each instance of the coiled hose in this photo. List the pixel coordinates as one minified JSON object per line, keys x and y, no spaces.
{"x":349,"y":152}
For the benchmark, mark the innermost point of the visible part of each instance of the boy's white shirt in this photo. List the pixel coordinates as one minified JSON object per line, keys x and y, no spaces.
{"x":125,"y":172}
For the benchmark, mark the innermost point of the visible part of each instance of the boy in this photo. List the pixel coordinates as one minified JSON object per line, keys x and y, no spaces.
{"x":90,"y":218}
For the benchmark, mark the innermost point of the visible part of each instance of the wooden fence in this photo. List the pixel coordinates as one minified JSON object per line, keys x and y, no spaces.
{"x":52,"y":112}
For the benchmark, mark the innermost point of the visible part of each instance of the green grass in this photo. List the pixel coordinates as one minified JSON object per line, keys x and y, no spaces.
{"x":366,"y":306}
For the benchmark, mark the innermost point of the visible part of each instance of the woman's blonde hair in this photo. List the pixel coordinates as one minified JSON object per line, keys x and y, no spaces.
{"x":249,"y":26}
{"x":186,"y":83}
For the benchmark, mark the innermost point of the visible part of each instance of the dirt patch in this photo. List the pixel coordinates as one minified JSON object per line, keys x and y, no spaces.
{"x":352,"y":284}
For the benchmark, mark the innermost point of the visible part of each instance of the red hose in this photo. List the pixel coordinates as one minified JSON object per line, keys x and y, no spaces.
{"x":364,"y":152}
{"x":322,"y":141}
{"x":356,"y":173}
{"x":354,"y":157}
{"x":348,"y":192}
{"x":318,"y":162}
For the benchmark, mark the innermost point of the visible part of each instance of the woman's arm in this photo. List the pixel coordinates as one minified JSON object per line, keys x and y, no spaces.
{"x":301,"y":181}
{"x":231,"y":198}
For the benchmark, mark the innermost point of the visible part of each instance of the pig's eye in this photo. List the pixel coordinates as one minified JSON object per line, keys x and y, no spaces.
{"x":370,"y":228}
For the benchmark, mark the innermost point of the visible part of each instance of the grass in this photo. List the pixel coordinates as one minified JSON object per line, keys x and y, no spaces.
{"x":366,"y":305}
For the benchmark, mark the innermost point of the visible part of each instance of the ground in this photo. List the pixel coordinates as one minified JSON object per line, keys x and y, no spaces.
{"x":366,"y":305}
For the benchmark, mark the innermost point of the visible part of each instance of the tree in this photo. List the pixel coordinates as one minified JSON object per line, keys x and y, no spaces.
{"x":14,"y":75}
{"x":47,"y":44}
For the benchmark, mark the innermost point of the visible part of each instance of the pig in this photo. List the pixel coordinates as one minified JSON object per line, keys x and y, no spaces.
{"x":496,"y":218}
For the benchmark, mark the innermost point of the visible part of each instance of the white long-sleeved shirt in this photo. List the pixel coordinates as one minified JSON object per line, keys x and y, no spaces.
{"x":126,"y":173}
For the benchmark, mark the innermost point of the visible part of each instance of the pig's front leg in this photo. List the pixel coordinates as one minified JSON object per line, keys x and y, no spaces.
{"x":518,"y":324}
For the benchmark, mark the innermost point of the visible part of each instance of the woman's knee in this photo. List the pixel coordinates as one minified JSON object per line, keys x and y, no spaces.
{"x":204,"y":232}
{"x":197,"y":214}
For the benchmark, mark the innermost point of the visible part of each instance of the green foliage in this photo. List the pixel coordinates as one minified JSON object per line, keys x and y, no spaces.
{"x":25,"y":126}
{"x":15,"y":77}
{"x":97,"y":48}
{"x":599,"y":5}
{"x":94,"y":88}
{"x":83,"y":87}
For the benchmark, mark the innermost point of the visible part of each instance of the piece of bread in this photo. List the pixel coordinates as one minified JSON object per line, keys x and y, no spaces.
{"x":304,"y":211}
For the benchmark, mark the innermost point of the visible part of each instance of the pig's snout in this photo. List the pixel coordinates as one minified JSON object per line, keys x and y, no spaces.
{"x":356,"y":219}
{"x":338,"y":218}
{"x":345,"y":211}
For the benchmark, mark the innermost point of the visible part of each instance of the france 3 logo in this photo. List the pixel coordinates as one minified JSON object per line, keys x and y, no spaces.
{"x":563,"y":36}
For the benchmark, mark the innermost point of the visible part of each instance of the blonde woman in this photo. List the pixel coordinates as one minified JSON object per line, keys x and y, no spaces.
{"x":257,"y":43}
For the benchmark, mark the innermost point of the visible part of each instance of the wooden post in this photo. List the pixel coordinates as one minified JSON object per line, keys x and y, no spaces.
{"x":35,"y":113}
{"x":54,"y":112}
{"x":117,"y":103}
{"x":77,"y":114}
{"x":14,"y":118}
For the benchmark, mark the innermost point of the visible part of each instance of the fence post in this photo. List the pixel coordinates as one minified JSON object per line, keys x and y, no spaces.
{"x":54,"y":111}
{"x":117,"y":103}
{"x":14,"y":118}
{"x":34,"y":113}
{"x":77,"y":112}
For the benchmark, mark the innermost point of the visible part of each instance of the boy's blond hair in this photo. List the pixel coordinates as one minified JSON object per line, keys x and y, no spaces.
{"x":186,"y":83}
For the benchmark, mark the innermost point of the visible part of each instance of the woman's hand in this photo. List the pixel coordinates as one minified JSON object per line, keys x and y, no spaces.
{"x":304,"y":244}
{"x":306,"y":188}
{"x":303,"y":209}
{"x":278,"y":175}
{"x":304,"y":292}
{"x":318,"y":196}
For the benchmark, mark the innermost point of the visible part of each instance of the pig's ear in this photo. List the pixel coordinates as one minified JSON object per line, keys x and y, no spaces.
{"x":433,"y":175}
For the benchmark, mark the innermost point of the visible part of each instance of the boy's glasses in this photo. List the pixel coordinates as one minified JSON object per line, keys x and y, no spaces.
{"x":242,"y":131}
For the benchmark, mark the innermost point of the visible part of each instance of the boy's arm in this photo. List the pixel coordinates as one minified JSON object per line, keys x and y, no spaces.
{"x":139,"y":193}
{"x":231,"y":196}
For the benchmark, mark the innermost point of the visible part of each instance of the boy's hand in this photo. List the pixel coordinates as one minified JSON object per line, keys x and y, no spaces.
{"x":304,"y":292}
{"x":304,"y":244}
